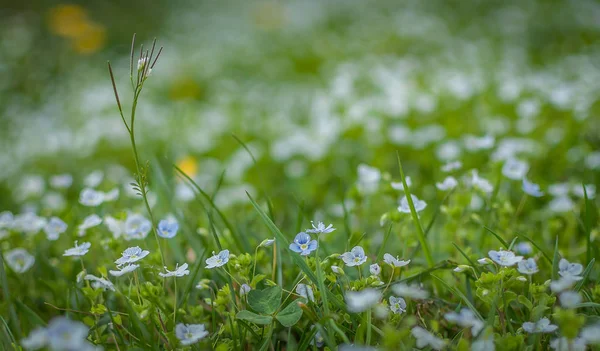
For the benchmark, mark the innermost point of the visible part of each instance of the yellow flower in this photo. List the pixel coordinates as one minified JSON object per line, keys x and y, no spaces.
{"x":72,"y":22}
{"x":188,"y":165}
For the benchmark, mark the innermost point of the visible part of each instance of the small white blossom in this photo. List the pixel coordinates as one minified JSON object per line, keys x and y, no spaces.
{"x":99,"y":283}
{"x":19,"y":260}
{"x":54,"y":228}
{"x":61,"y":181}
{"x":245,"y":289}
{"x":466,"y":319}
{"x":504,"y":258}
{"x":400,"y":185}
{"x":591,"y":334}
{"x":179,"y":271}
{"x":541,"y":326}
{"x":411,"y":291}
{"x":93,"y":179}
{"x":425,"y":338}
{"x":337,"y":270}
{"x":368,"y":178}
{"x":218,"y":260}
{"x":354,"y":257}
{"x":449,"y":183}
{"x":528,"y":266}
{"x":320,"y":228}
{"x":91,"y":198}
{"x":131,"y":255}
{"x":562,"y":284}
{"x":124,"y":270}
{"x":360,"y":301}
{"x":564,"y":344}
{"x":567,"y":269}
{"x":78,"y":250}
{"x":267,"y":243}
{"x":397,"y":304}
{"x":306,"y":292}
{"x":452,"y":166}
{"x":405,"y":207}
{"x":569,"y":299}
{"x":375,"y":269}
{"x":515,"y":169}
{"x":137,"y":227}
{"x":89,"y":222}
{"x":189,"y":334}
{"x":394,"y":261}
{"x":479,"y":183}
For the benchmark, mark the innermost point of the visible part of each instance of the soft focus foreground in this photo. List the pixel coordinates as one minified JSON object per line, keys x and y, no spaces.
{"x":300,"y":175}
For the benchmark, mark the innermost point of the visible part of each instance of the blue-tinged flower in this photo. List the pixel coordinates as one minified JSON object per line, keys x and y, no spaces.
{"x":306,"y":292}
{"x":303,"y":244}
{"x":397,"y":304}
{"x":318,"y":340}
{"x":217,"y":260}
{"x":449,"y":183}
{"x":591,"y":334}
{"x":60,"y":334}
{"x":78,"y":250}
{"x":54,"y":228}
{"x":167,"y":228}
{"x":524,"y":248}
{"x":532,"y":189}
{"x":19,"y":260}
{"x":466,"y":319}
{"x":137,"y":227}
{"x":99,"y":283}
{"x":267,"y":242}
{"x":405,"y":207}
{"x":29,"y":223}
{"x":179,"y":271}
{"x":375,"y":269}
{"x":567,"y":269}
{"x":528,"y":266}
{"x":94,"y":179}
{"x":355,"y":257}
{"x":425,"y":338}
{"x":131,"y":255}
{"x":6,"y":220}
{"x":124,"y":270}
{"x":563,"y":283}
{"x":504,"y":258}
{"x":37,"y":339}
{"x":320,"y":228}
{"x":394,"y":261}
{"x":480,"y":183}
{"x":484,"y":343}
{"x":91,"y":198}
{"x":189,"y":334}
{"x":541,"y":326}
{"x":452,"y":166}
{"x":89,"y":222}
{"x":245,"y":289}
{"x":564,"y":344}
{"x":61,"y":181}
{"x":515,"y":169}
{"x":411,"y":291}
{"x":360,"y":301}
{"x":400,"y":185}
{"x":569,"y":299}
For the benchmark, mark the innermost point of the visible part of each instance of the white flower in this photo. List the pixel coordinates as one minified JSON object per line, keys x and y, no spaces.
{"x":524,"y":248}
{"x":91,"y":198}
{"x":541,"y":326}
{"x":218,"y":260}
{"x":590,"y":189}
{"x":137,"y":227}
{"x":115,"y":226}
{"x":179,"y":271}
{"x":29,"y":223}
{"x":54,"y":228}
{"x":484,"y":261}
{"x":61,"y":181}
{"x":89,"y":222}
{"x":484,"y":343}
{"x":368,"y":178}
{"x":397,"y":304}
{"x":19,"y":260}
{"x":375,"y":269}
{"x":394,"y":261}
{"x":567,"y":269}
{"x":124,"y":270}
{"x":411,"y":291}
{"x":37,"y":339}
{"x":267,"y":243}
{"x":564,"y":344}
{"x":451,"y":166}
{"x":528,"y":266}
{"x":93,"y":179}
{"x":569,"y":299}
{"x":562,"y":284}
{"x":131,"y":255}
{"x":474,"y":143}
{"x":78,"y":250}
{"x":466,"y":319}
{"x":99,"y":283}
{"x":591,"y":334}
{"x":60,"y":334}
{"x":425,"y":338}
{"x":449,"y":183}
{"x":405,"y":208}
{"x":337,"y":270}
{"x":320,"y":228}
{"x":306,"y":292}
{"x":189,"y":334}
{"x":360,"y":301}
{"x":400,"y":185}
{"x":515,"y":169}
{"x":355,"y":257}
{"x":504,"y":258}
{"x":479,"y":183}
{"x":245,"y":289}
{"x":111,"y":195}
{"x":6,"y":220}
{"x":531,"y":189}
{"x":167,"y":228}
{"x":561,"y":204}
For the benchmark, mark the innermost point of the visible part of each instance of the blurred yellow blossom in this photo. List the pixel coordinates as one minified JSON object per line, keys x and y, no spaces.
{"x":188,"y":165}
{"x":72,"y":22}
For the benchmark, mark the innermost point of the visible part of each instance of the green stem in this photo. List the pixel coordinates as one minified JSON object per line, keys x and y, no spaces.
{"x":368,"y":340}
{"x":175,"y":305}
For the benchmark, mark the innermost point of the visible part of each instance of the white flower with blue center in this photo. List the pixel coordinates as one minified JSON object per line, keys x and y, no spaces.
{"x":218,"y":260}
{"x":320,"y":228}
{"x":541,"y":326}
{"x":137,"y":227}
{"x":531,"y":188}
{"x":505,"y":258}
{"x":124,"y":270}
{"x":303,"y":244}
{"x":425,"y":338}
{"x":375,"y":269}
{"x":405,"y":207}
{"x":528,"y":266}
{"x":397,"y":304}
{"x":19,"y":260}
{"x":515,"y":169}
{"x":91,"y":198}
{"x":189,"y":334}
{"x":306,"y":292}
{"x":355,"y":257}
{"x":360,"y":301}
{"x":448,"y":183}
{"x":466,"y":319}
{"x":394,"y":261}
{"x":568,"y":269}
{"x":78,"y":250}
{"x":167,"y":228}
{"x":54,"y":228}
{"x":179,"y":271}
{"x":131,"y":255}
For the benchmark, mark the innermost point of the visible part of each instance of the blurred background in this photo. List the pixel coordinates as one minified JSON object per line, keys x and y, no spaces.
{"x":312,"y":87}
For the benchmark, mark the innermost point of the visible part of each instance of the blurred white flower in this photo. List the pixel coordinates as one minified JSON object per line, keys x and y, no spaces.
{"x":405,"y":207}
{"x":360,"y":301}
{"x":78,"y":250}
{"x":179,"y":271}
{"x":425,"y":338}
{"x":19,"y":260}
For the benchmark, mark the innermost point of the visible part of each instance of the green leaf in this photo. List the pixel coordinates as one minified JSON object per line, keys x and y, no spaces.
{"x":252,"y":317}
{"x":525,"y":302}
{"x":585,"y":274}
{"x":290,"y":315}
{"x":502,"y":241}
{"x":265,"y":301}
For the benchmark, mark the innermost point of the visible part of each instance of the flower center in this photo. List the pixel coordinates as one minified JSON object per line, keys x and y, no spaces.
{"x":304,"y":246}
{"x":189,"y":335}
{"x":219,"y":261}
{"x":356,"y":259}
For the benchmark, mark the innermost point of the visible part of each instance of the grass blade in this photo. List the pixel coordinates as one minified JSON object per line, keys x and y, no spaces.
{"x":585,"y":275}
{"x":461,"y":295}
{"x":502,"y":241}
{"x":555,"y":259}
{"x":544,"y":253}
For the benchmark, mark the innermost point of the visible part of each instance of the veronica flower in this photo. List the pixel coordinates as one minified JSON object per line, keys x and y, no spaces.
{"x":29,"y":223}
{"x":480,"y":183}
{"x":19,"y":260}
{"x":449,"y":183}
{"x":115,"y":226}
{"x":564,"y":344}
{"x":266,"y":243}
{"x":61,"y":181}
{"x":60,"y":334}
{"x":245,"y":289}
{"x":405,"y":208}
{"x":541,"y":326}
{"x":189,"y":334}
{"x":375,"y":269}
{"x":89,"y":222}
{"x":532,"y":189}
{"x":54,"y":228}
{"x":368,"y":178}
{"x":425,"y":338}
{"x":355,"y":257}
{"x":524,"y":248}
{"x":515,"y":169}
{"x":451,"y":166}
{"x":567,"y":269}
{"x":37,"y":339}
{"x":466,"y":319}
{"x":167,"y":228}
{"x":337,"y":270}
{"x":569,"y":299}
{"x":303,"y":244}
{"x":137,"y":226}
{"x":504,"y":258}
{"x":400,"y":185}
{"x":394,"y":261}
{"x":563,"y":283}
{"x":179,"y":271}
{"x":306,"y":292}
{"x":78,"y":250}
{"x":360,"y":301}
{"x":6,"y":220}
{"x":131,"y":255}
{"x":100,"y":283}
{"x":411,"y":291}
{"x":527,"y":266}
{"x":93,"y":179}
{"x":217,"y":260}
{"x":91,"y":198}
{"x":318,"y":340}
{"x":320,"y":228}
{"x":111,"y":195}
{"x":397,"y":304}
{"x":484,"y":343}
{"x":124,"y":269}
